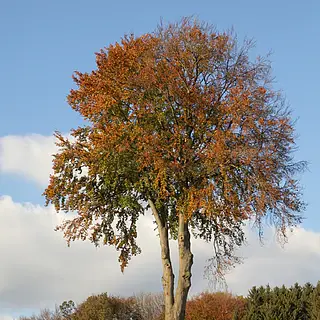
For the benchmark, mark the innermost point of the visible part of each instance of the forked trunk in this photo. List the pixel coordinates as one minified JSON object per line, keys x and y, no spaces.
{"x":175,"y":305}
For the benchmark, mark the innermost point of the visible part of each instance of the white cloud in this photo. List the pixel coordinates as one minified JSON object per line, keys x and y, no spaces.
{"x":5,"y":317}
{"x":29,"y":156}
{"x":296,"y":261}
{"x":39,"y":270}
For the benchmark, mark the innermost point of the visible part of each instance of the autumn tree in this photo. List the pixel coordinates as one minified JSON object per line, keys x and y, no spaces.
{"x":149,"y":305}
{"x":217,"y":306}
{"x":179,"y":121}
{"x":45,"y":314}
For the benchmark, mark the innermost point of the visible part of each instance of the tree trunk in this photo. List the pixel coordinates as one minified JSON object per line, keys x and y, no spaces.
{"x":175,"y":306}
{"x":168,"y":276}
{"x":185,"y":264}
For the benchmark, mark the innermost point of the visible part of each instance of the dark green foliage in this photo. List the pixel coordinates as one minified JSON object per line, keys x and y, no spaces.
{"x":315,"y":303}
{"x":67,"y":308}
{"x":294,"y":303}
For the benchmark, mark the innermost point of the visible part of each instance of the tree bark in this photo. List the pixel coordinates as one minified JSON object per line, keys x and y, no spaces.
{"x":168,"y":276}
{"x":175,"y":305}
{"x":185,"y":264}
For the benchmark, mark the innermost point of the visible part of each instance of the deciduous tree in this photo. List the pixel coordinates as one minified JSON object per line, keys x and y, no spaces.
{"x":104,"y":307}
{"x":217,"y":306}
{"x":182,"y":122}
{"x":149,"y":305}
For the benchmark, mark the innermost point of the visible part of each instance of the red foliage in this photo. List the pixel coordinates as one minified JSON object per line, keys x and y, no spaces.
{"x":217,"y":306}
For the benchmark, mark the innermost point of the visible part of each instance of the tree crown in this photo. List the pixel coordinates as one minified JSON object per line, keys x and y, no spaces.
{"x":184,"y":118}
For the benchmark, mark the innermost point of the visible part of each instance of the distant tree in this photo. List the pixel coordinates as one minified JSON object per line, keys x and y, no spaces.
{"x":181,"y":122}
{"x":150,"y":306}
{"x":279,"y":303}
{"x":307,"y":294}
{"x":45,"y":314}
{"x":315,"y":303}
{"x":257,"y":300}
{"x":104,"y":307}
{"x":217,"y":306}
{"x":67,"y":308}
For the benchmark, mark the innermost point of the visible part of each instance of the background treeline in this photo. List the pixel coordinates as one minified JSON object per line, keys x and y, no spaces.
{"x":294,"y":303}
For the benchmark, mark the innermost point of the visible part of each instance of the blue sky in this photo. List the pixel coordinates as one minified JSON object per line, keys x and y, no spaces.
{"x":44,"y":42}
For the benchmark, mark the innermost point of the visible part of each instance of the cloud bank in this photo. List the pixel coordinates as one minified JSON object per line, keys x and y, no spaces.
{"x":39,"y":270}
{"x":29,"y":156}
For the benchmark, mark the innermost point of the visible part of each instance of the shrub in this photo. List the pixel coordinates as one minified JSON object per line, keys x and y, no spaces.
{"x":217,"y":306}
{"x":104,"y":307}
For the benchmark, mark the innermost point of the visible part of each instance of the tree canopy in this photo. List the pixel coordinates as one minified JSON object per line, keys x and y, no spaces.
{"x":183,"y":122}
